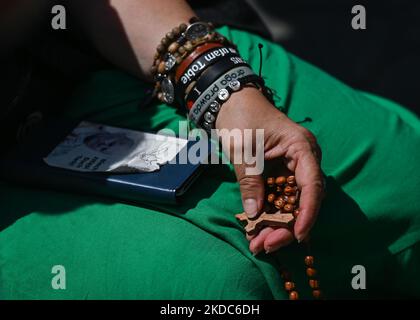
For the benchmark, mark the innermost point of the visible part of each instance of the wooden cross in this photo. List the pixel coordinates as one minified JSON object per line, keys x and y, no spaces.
{"x":277,"y":219}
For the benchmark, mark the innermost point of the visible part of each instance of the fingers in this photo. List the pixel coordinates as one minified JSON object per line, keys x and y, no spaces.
{"x":256,"y":245}
{"x":252,"y":191}
{"x":270,"y":240}
{"x":309,"y":178}
{"x":277,"y":239}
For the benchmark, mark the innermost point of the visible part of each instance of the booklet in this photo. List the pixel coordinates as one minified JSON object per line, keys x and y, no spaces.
{"x":118,"y":163}
{"x":94,"y":147}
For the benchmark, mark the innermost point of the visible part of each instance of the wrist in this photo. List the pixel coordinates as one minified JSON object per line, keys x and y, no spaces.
{"x":246,"y":109}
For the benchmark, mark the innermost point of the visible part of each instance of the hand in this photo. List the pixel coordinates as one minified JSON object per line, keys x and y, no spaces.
{"x":284,"y":139}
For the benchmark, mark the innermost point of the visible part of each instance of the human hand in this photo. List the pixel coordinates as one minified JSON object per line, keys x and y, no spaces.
{"x":283,"y":139}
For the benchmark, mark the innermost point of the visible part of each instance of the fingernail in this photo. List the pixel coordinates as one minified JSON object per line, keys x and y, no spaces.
{"x":251,"y":208}
{"x":301,"y":238}
{"x":268,"y":250}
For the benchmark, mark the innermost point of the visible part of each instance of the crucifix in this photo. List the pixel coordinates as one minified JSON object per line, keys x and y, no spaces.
{"x":277,"y":219}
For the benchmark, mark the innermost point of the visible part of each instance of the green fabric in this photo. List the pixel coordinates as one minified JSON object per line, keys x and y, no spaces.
{"x":370,"y":217}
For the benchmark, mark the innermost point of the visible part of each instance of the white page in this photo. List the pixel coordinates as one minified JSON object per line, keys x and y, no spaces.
{"x":94,"y":147}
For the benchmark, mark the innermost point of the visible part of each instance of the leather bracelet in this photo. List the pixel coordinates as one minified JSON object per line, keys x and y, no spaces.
{"x":199,"y":66}
{"x":166,"y":79}
{"x":202,"y":62}
{"x":194,"y":55}
{"x":209,"y":95}
{"x":211,"y":75}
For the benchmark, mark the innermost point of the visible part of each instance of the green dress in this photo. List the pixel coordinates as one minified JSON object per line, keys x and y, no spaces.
{"x":197,"y":250}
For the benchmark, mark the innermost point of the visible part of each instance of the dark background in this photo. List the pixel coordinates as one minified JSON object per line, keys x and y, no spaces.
{"x":383,"y":59}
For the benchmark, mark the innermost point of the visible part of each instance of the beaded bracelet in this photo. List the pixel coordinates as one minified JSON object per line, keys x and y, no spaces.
{"x":163,"y":77}
{"x":188,"y":63}
{"x":174,"y":48}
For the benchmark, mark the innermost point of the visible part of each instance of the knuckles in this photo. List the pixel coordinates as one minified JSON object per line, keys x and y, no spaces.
{"x":249,"y":184}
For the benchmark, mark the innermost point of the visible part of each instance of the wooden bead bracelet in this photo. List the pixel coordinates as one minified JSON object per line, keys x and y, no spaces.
{"x":177,"y":44}
{"x":281,"y":210}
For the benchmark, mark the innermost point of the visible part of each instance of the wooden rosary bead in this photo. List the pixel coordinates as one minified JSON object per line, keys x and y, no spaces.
{"x":288,"y":207}
{"x":279,"y":203}
{"x":309,"y":261}
{"x":289,"y":190}
{"x":289,"y":285}
{"x":291,"y":199}
{"x":270,"y":181}
{"x":280,"y":180}
{"x":173,"y":47}
{"x":284,"y":196}
{"x":317,"y":294}
{"x":271,"y":197}
{"x":311,"y":272}
{"x":153,"y":70}
{"x":293,"y":295}
{"x":291,"y":180}
{"x":314,"y":284}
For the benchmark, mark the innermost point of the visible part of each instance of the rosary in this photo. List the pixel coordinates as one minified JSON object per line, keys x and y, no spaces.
{"x":281,"y":210}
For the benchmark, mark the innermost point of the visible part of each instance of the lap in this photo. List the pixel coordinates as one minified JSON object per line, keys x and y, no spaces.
{"x":369,"y":217}
{"x":116,"y":251}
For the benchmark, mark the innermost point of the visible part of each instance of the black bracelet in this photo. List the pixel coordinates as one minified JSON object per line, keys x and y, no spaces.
{"x":211,"y":74}
{"x":199,"y":65}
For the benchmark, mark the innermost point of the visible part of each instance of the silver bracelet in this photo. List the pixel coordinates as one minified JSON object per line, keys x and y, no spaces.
{"x":210,"y":116}
{"x":207,"y":97}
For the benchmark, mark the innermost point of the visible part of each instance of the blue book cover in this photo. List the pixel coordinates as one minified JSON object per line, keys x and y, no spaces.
{"x":119,"y":163}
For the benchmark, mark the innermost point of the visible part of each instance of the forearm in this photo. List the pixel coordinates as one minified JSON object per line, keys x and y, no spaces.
{"x":127,"y":32}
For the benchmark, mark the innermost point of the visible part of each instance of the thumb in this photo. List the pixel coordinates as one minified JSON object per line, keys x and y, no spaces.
{"x":252,"y":191}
